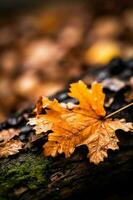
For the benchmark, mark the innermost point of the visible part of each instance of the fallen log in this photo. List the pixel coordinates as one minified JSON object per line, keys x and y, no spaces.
{"x":31,"y":175}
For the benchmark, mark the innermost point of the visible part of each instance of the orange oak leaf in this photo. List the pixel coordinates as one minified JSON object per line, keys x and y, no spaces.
{"x":82,"y":124}
{"x":10,"y":148}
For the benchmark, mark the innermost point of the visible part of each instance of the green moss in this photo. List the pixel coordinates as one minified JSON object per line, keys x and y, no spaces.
{"x":30,"y":171}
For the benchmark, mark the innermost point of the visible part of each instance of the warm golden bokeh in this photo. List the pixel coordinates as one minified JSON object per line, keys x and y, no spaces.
{"x":43,"y":49}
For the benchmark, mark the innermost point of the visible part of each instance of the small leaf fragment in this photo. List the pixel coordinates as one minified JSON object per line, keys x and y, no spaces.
{"x":10,"y":148}
{"x":6,"y":135}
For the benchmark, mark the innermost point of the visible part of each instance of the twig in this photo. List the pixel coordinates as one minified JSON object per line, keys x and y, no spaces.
{"x":117,"y":111}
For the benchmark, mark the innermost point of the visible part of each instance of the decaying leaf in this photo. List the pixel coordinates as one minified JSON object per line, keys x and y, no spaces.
{"x":10,"y":148}
{"x":83,"y":124}
{"x":20,"y":190}
{"x":129,"y":94}
{"x":8,"y":145}
{"x":6,"y":135}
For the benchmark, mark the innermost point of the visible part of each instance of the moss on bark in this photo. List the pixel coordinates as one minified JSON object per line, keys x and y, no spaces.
{"x":29,"y":171}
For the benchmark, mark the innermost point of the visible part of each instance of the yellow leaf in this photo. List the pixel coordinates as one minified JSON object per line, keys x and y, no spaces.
{"x":89,"y":98}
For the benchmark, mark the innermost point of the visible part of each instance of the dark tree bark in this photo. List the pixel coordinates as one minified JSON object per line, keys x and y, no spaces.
{"x":30,"y":175}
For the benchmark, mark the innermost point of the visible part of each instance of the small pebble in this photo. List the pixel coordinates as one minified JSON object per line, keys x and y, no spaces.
{"x":25,"y":129}
{"x":14,"y":121}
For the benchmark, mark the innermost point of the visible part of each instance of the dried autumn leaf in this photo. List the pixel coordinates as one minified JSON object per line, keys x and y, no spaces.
{"x":42,"y":125}
{"x":6,"y":135}
{"x":129,"y":96}
{"x":84,"y":124}
{"x":20,"y":190}
{"x":10,"y":148}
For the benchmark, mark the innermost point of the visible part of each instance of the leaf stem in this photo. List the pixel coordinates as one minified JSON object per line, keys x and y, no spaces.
{"x":117,"y":111}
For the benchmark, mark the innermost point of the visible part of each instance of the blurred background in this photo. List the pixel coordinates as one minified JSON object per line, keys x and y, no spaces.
{"x":46,"y":44}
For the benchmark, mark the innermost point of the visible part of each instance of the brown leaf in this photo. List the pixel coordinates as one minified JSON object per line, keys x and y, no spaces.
{"x":83,"y":124}
{"x":6,"y":135}
{"x":10,"y":148}
{"x":20,"y":191}
{"x":129,"y":94}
